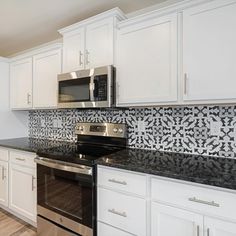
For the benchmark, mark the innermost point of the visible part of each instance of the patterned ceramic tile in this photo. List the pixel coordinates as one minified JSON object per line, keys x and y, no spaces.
{"x":178,"y":129}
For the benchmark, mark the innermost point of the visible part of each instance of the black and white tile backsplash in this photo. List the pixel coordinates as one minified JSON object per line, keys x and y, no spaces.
{"x":178,"y":129}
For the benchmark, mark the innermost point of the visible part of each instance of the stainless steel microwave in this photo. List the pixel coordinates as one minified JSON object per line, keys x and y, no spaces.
{"x":87,"y":88}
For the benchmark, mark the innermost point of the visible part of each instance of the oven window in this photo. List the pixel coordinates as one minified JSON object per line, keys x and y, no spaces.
{"x":66,"y":193}
{"x":75,"y":90}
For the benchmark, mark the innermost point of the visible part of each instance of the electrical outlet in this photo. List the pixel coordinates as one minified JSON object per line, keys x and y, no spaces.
{"x":55,"y":123}
{"x":215,"y":127}
{"x":42,"y":123}
{"x":141,"y":126}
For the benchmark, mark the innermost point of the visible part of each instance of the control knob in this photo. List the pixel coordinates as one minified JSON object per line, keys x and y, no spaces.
{"x":115,"y":130}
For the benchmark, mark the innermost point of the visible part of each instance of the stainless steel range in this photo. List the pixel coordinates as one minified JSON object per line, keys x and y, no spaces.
{"x":66,"y":180}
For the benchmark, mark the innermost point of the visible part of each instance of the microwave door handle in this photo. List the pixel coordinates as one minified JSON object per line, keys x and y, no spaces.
{"x":91,"y":88}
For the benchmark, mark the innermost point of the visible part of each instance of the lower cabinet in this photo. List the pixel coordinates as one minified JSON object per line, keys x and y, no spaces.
{"x":167,"y":207}
{"x":4,"y":183}
{"x":215,"y":227}
{"x":18,"y":183}
{"x":168,"y":221}
{"x":22,"y":191}
{"x":106,"y":230}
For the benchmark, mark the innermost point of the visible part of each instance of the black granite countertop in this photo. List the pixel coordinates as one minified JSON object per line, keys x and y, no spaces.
{"x":34,"y":145}
{"x":219,"y":172}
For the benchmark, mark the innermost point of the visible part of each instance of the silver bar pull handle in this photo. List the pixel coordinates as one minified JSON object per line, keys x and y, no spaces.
{"x":210,"y":203}
{"x":80,"y":58}
{"x":208,"y":232}
{"x":117,"y":181}
{"x":3,"y":173}
{"x":33,"y":178}
{"x":185,"y":83}
{"x":28,"y":98}
{"x":20,"y":159}
{"x":87,"y":57}
{"x":113,"y":211}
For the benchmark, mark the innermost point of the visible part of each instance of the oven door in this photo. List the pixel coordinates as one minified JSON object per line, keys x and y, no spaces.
{"x":65,"y":195}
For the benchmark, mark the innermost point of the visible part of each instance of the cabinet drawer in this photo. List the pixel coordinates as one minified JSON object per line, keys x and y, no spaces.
{"x":3,"y":154}
{"x":122,"y":211}
{"x":205,"y":200}
{"x":23,"y":158}
{"x":106,"y":230}
{"x":124,"y":181}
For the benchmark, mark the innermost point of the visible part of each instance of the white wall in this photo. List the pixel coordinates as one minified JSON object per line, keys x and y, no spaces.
{"x":12,"y":124}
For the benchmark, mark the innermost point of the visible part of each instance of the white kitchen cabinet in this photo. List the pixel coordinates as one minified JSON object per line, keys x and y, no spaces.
{"x":4,"y":183}
{"x":209,"y":52}
{"x":34,"y":79}
{"x":147,"y":62}
{"x":46,"y":67}
{"x":22,"y":184}
{"x":21,"y":73}
{"x":168,"y":221}
{"x":22,"y":191}
{"x":215,"y":227}
{"x":106,"y":230}
{"x":90,"y":43}
{"x":99,"y":43}
{"x":73,"y":50}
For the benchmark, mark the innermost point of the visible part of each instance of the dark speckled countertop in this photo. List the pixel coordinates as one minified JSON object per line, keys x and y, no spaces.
{"x":219,"y":172}
{"x":32,"y":144}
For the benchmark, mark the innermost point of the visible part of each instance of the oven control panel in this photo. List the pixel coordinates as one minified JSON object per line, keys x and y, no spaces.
{"x":101,"y":129}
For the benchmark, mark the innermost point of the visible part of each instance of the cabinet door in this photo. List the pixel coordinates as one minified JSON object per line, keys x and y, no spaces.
{"x":147,"y":62}
{"x":4,"y":183}
{"x":169,"y":221}
{"x":106,"y":230}
{"x":215,"y":227}
{"x":46,"y":67}
{"x":22,"y":191}
{"x":209,"y":51}
{"x":21,"y":73}
{"x":73,"y":51}
{"x":99,"y":44}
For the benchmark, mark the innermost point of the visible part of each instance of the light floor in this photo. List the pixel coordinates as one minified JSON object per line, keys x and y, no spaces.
{"x":12,"y":226}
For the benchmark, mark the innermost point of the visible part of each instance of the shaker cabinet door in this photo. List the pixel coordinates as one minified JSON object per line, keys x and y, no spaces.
{"x":46,"y":67}
{"x":209,"y":51}
{"x":215,"y":227}
{"x":99,"y":44}
{"x":170,"y":221}
{"x":21,"y":73}
{"x":4,"y":183}
{"x":73,"y":51}
{"x":147,"y":62}
{"x":22,"y":191}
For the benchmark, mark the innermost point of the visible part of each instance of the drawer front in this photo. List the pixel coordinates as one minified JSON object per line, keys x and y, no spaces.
{"x":106,"y":230}
{"x":23,"y":158}
{"x":200,"y":199}
{"x":122,"y":211}
{"x":4,"y":154}
{"x":121,"y":180}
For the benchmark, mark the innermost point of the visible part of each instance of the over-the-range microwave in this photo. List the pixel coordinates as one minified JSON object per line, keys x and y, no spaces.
{"x":91,"y":88}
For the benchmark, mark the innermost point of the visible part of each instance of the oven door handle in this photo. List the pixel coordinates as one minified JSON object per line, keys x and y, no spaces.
{"x":60,"y":165}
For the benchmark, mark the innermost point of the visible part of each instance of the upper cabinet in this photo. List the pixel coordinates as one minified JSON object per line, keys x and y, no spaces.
{"x":46,"y":67}
{"x":147,"y":61}
{"x":21,"y":74}
{"x":90,"y":43}
{"x":209,"y":52}
{"x":34,"y":79}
